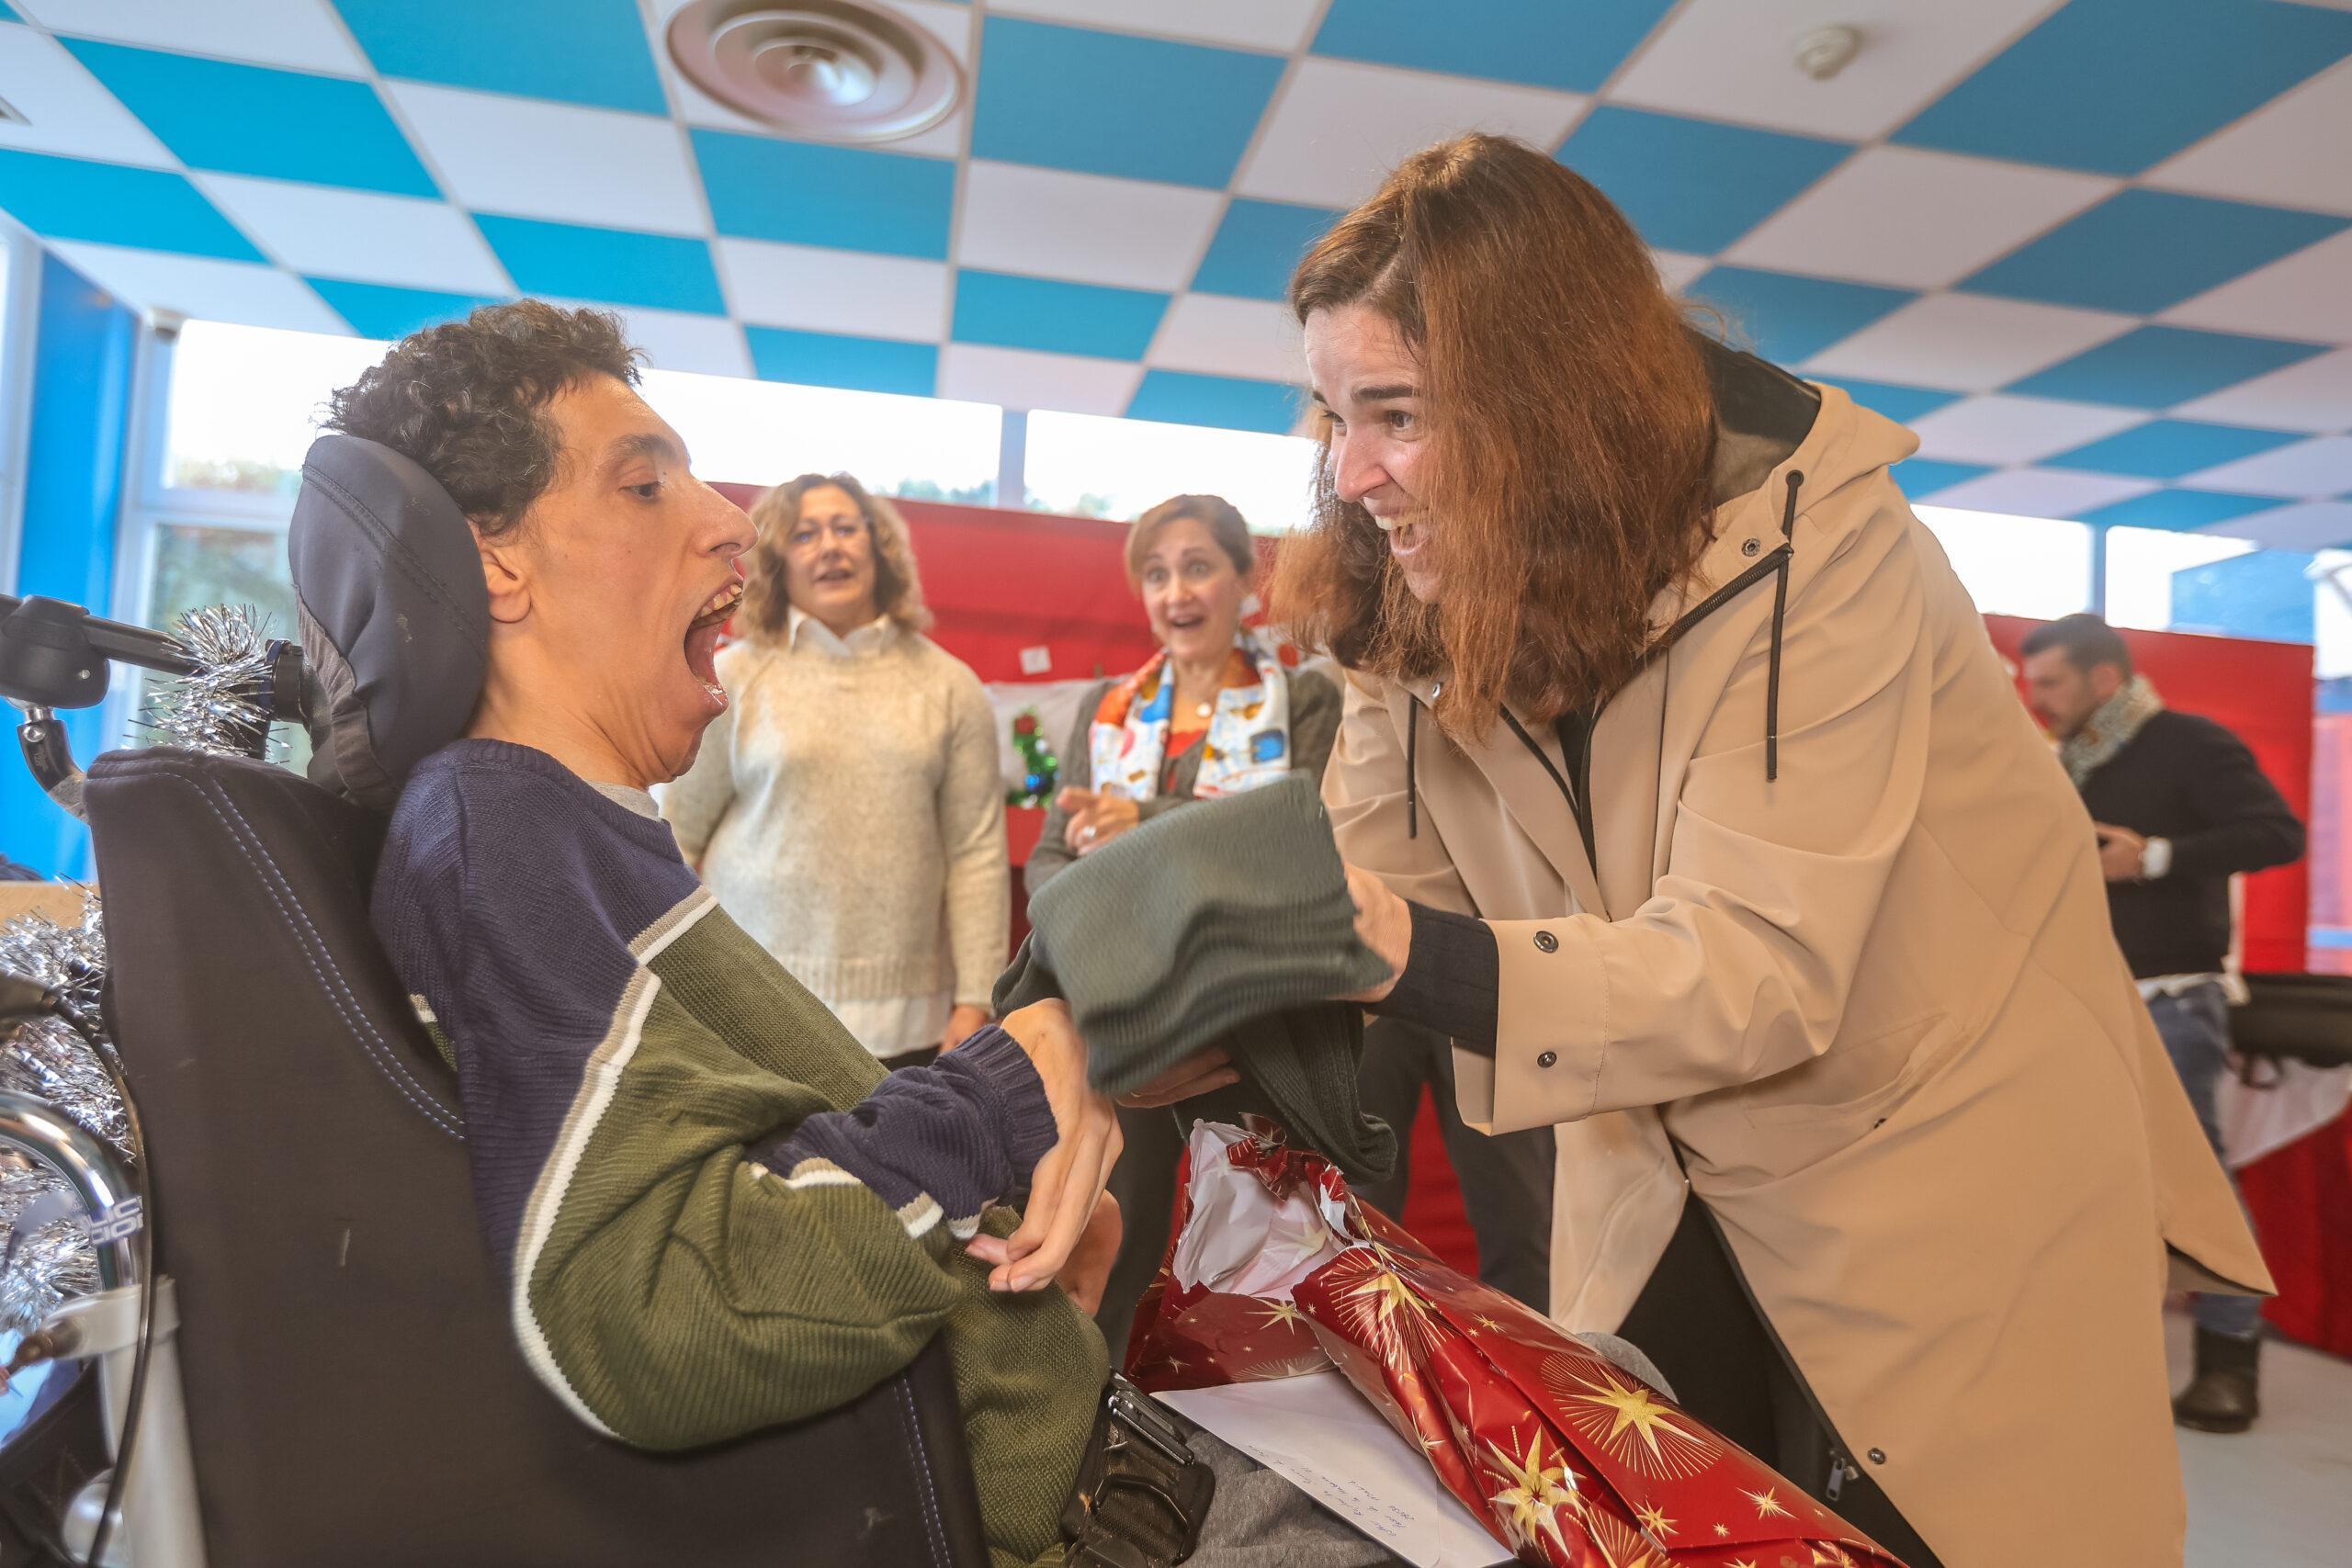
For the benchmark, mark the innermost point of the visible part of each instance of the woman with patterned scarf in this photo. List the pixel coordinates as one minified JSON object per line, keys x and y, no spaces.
{"x":1213,"y":713}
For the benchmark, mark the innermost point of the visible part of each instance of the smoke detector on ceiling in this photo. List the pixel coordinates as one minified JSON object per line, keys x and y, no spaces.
{"x":830,"y":70}
{"x":1825,"y":52}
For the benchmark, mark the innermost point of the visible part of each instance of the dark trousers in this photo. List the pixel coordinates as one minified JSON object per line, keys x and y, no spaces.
{"x":1144,"y":1181}
{"x":2195,"y":1027}
{"x":1697,"y":1320}
{"x":1506,"y":1179}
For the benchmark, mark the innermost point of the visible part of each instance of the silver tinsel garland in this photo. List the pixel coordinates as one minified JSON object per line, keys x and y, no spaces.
{"x":221,"y":708}
{"x":51,"y":1261}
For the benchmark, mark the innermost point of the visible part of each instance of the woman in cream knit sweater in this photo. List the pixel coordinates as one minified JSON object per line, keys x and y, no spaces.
{"x":847,"y":808}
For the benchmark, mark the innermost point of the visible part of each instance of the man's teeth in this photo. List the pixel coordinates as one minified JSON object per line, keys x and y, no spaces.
{"x":1387,"y":524}
{"x":725,"y":599}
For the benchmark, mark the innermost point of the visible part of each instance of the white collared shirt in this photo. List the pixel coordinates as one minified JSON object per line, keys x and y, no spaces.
{"x":803,"y":630}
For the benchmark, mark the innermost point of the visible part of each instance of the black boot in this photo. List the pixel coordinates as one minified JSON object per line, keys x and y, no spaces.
{"x":2221,"y":1397}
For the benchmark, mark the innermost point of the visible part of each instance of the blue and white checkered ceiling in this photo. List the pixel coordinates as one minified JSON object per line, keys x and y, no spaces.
{"x":2095,"y":253}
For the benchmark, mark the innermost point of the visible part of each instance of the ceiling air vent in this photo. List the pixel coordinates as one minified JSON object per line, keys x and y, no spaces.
{"x":831,"y":70}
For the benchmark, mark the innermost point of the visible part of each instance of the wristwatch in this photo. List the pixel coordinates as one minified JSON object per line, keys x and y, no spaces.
{"x":2155,"y":859}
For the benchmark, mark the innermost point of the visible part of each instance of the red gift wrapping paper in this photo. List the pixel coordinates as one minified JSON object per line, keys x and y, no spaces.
{"x":1569,"y":1459}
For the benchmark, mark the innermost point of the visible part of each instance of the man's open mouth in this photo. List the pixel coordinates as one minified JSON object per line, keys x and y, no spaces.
{"x":702,"y":637}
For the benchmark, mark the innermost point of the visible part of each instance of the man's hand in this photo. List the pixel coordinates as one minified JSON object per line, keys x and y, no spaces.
{"x":963,"y":1021}
{"x":1203,"y":1070}
{"x":2119,"y":851}
{"x":1385,"y":924}
{"x":1089,"y":1269}
{"x":1096,"y":818}
{"x":1063,"y":1187}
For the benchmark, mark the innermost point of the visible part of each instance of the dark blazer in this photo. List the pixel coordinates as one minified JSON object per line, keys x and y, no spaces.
{"x":1313,"y":723}
{"x":2188,"y":779}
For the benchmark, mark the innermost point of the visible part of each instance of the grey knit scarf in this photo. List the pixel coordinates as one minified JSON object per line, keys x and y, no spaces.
{"x":2109,"y":728}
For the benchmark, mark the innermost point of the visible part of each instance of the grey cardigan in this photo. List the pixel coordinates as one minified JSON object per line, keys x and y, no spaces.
{"x":1314,"y":725}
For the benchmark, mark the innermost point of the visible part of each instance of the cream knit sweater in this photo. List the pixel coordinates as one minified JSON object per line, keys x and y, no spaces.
{"x":847,"y":811}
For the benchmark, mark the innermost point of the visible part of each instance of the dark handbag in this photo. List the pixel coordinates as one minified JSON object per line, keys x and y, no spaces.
{"x":2305,"y":1017}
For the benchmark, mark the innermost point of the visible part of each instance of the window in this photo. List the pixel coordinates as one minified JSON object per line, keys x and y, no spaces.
{"x":2141,"y":564}
{"x":245,"y":401}
{"x":764,"y":433}
{"x":1121,"y":468}
{"x":2015,"y":566}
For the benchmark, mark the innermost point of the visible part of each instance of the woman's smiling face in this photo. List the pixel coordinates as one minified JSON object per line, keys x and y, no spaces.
{"x":1191,"y":592}
{"x":1367,"y":382}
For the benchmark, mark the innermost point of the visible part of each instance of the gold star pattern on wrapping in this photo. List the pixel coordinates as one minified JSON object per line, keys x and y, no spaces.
{"x":1488,"y":1324}
{"x":1623,"y":1548}
{"x":1767,"y":1503}
{"x":1281,"y":1314}
{"x":1529,"y":1508}
{"x":1743,"y":1562}
{"x":1629,"y":1421}
{"x":1654,"y":1519}
{"x":1831,"y":1553}
{"x":1722,"y":1530}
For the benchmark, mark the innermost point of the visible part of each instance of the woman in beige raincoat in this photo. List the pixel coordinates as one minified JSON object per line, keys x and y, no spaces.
{"x":1697,"y":809}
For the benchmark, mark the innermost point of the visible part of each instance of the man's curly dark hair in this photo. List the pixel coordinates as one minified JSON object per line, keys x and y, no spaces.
{"x":464,"y":401}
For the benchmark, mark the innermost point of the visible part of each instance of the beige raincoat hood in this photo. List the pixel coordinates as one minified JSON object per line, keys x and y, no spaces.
{"x":1873,"y":1008}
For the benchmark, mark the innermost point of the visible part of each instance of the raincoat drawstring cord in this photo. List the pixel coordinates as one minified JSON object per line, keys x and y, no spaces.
{"x":1779,"y":612}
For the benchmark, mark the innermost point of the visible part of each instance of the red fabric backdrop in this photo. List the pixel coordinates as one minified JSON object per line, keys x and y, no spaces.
{"x":1001,"y":583}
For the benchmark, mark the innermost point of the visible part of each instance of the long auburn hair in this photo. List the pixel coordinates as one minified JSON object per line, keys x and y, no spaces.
{"x":1571,"y":434}
{"x":898,"y":587}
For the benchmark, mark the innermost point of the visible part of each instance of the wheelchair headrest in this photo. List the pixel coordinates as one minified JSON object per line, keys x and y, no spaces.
{"x":394,"y":612}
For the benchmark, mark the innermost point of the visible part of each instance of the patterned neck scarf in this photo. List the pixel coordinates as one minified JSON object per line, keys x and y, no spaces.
{"x":1248,"y":733}
{"x":2109,"y":728}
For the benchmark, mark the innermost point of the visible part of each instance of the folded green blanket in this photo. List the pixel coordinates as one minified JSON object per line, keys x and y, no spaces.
{"x":1228,"y":921}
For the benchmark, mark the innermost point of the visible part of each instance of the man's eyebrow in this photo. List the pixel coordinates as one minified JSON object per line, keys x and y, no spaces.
{"x":641,"y":444}
{"x":1381,"y":394}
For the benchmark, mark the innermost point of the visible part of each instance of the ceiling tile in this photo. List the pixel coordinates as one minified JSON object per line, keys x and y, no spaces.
{"x":1677,"y":269}
{"x":1219,"y":335}
{"x":381,"y":310}
{"x":830,"y":359}
{"x":1008,"y":312}
{"x":302,"y":34}
{"x":1921,"y":477}
{"x":1226,"y":402}
{"x":2315,"y":395}
{"x":1541,"y":43}
{"x":1257,"y":246}
{"x":1020,"y":379}
{"x":2015,"y":430}
{"x":69,"y":112}
{"x":1966,"y":340}
{"x":2179,"y":510}
{"x":2315,"y":525}
{"x":2291,"y":152}
{"x":1900,"y":404}
{"x":683,"y":340}
{"x":835,"y":291}
{"x":2039,"y":493}
{"x":531,"y":158}
{"x":578,"y":52}
{"x":2145,"y":250}
{"x":360,"y":235}
{"x":1087,"y":227}
{"x":256,"y":119}
{"x":2113,"y":86}
{"x":110,"y":203}
{"x":1338,"y":127}
{"x":2168,"y":449}
{"x":2154,"y":367}
{"x":1790,"y":319}
{"x":2307,"y":471}
{"x":854,"y":199}
{"x":1277,"y":25}
{"x":611,"y":266}
{"x":1914,"y":218}
{"x":1693,"y":185}
{"x":2306,"y":294}
{"x":203,"y":287}
{"x":1114,"y":104}
{"x":1734,"y":59}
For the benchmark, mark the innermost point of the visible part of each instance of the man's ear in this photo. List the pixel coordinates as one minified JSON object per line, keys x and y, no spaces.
{"x":2107,"y":680}
{"x":501,"y":571}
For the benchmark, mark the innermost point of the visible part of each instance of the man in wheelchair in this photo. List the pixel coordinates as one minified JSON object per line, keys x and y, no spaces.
{"x":716,"y":1212}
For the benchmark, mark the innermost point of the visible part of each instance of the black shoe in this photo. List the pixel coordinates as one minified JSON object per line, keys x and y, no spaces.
{"x":2222,"y":1396}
